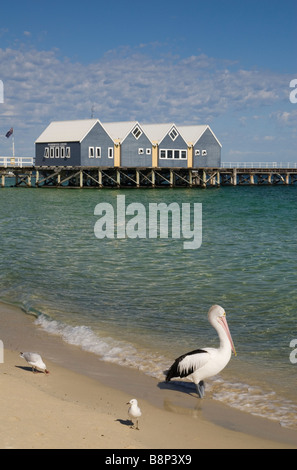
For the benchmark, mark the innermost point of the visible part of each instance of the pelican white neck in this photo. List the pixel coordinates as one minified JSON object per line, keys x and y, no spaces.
{"x":217,"y":318}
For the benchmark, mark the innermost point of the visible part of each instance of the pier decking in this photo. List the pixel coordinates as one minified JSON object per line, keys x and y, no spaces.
{"x":77,"y":177}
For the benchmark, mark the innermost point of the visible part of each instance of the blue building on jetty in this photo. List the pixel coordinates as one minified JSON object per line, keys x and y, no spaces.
{"x":89,"y":143}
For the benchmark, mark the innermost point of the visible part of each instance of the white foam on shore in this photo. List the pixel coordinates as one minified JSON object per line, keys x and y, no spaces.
{"x":254,"y":400}
{"x":106,"y":347}
{"x":244,"y":397}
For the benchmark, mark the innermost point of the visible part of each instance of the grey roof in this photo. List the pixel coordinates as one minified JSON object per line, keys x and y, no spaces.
{"x":119,"y":130}
{"x":76,"y":130}
{"x":68,"y":131}
{"x":157,"y":132}
{"x":192,"y":134}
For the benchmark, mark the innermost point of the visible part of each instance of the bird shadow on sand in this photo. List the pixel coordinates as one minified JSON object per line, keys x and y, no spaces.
{"x":179,"y":386}
{"x":29,"y":369}
{"x":125,"y":422}
{"x":181,"y":405}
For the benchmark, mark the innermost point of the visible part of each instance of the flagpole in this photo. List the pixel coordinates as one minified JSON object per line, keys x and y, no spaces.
{"x":12,"y":146}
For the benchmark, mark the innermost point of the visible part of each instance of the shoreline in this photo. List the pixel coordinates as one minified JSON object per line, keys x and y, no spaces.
{"x":82,"y":403}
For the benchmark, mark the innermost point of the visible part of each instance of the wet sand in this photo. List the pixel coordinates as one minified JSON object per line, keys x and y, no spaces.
{"x":81,"y":404}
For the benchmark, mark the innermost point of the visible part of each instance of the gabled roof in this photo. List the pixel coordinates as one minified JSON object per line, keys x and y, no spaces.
{"x":68,"y":131}
{"x":76,"y":131}
{"x":119,"y":130}
{"x":192,"y":134}
{"x":157,"y":132}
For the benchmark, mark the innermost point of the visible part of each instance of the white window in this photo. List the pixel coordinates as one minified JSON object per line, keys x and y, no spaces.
{"x":98,"y":152}
{"x":68,"y":152}
{"x":137,"y":132}
{"x":140,"y":151}
{"x":177,"y":154}
{"x":148,"y":151}
{"x":57,"y":152}
{"x":197,"y":153}
{"x":204,"y":153}
{"x":46,"y":152}
{"x":110,"y":152}
{"x":91,"y":152}
{"x":173,"y":133}
{"x":52,"y":152}
{"x":62,"y":152}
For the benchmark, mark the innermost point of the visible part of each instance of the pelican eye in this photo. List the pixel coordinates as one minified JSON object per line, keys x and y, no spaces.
{"x":221,"y":316}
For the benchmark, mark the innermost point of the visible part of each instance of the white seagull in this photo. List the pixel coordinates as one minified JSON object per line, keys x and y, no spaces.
{"x":207,"y":362}
{"x":35,"y":361}
{"x":134,"y":412}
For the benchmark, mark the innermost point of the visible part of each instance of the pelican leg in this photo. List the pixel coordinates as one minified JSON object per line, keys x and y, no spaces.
{"x":200,"y":389}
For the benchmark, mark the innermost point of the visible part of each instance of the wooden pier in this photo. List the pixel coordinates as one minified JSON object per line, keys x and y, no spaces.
{"x":77,"y":177}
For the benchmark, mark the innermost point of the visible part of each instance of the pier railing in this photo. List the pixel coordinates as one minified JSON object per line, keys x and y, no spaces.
{"x":20,"y":162}
{"x":258,"y":165}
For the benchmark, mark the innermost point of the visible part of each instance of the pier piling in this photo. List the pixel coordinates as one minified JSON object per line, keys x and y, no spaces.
{"x":103,"y":177}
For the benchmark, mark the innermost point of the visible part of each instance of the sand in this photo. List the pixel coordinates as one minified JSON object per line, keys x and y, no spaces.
{"x":82,"y":403}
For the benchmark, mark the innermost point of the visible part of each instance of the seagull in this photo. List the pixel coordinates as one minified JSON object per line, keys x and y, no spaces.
{"x":134,"y":412}
{"x":203,"y":363}
{"x":35,"y":361}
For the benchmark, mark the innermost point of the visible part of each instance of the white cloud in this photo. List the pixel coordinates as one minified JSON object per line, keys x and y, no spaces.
{"x":289,"y":118}
{"x":128,"y":84}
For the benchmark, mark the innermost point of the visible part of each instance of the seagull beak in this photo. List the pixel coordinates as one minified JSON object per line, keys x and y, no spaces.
{"x":223,"y":322}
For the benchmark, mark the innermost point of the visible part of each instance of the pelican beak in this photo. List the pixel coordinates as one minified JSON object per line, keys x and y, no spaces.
{"x":223,"y":322}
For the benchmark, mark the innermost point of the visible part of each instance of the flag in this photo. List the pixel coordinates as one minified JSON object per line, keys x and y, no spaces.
{"x":8,"y":134}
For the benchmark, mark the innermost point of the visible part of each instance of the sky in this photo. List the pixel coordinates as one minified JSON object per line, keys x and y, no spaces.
{"x":225,"y":63}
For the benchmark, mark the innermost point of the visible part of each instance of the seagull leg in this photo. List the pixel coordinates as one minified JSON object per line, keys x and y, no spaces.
{"x":137,"y":425}
{"x":200,"y":389}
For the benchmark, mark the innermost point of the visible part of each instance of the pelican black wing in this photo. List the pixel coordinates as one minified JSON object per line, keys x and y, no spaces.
{"x":174,"y":370}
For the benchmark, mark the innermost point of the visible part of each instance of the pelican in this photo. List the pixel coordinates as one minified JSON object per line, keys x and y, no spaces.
{"x":35,"y":361}
{"x":203,"y":363}
{"x":134,"y":412}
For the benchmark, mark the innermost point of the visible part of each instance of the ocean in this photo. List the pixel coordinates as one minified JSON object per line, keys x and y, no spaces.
{"x":142,"y":302}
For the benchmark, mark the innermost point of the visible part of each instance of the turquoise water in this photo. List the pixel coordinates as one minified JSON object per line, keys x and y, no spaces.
{"x":142,"y":302}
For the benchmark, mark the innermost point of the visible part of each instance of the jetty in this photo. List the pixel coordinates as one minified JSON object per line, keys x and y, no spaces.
{"x":22,"y":173}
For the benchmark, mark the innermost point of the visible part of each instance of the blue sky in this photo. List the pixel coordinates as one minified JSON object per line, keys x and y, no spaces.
{"x":225,"y":63}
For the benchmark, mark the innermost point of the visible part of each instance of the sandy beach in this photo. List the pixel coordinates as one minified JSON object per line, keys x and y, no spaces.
{"x":82,"y":403}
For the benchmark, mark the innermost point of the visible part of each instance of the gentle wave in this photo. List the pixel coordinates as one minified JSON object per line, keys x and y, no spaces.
{"x":249,"y":398}
{"x":254,"y":400}
{"x":108,"y":348}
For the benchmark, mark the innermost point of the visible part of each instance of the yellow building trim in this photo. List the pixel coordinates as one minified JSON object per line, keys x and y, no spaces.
{"x":117,"y":153}
{"x":190,"y":155}
{"x":155,"y":155}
